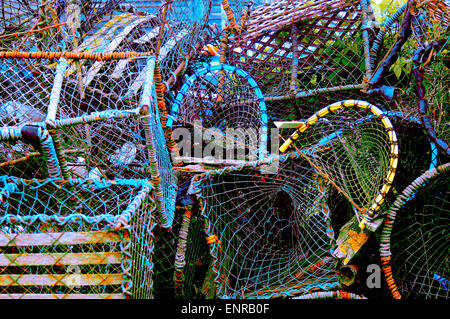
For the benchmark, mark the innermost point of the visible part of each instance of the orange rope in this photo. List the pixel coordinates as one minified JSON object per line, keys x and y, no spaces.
{"x":429,"y":58}
{"x":385,"y":260}
{"x":344,"y":294}
{"x":22,"y":159}
{"x":213,"y":239}
{"x":32,"y":31}
{"x":244,"y":20}
{"x":160,"y":89}
{"x":99,"y":56}
{"x":229,"y":13}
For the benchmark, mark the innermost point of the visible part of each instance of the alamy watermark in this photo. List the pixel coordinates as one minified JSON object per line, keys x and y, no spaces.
{"x":374,"y":278}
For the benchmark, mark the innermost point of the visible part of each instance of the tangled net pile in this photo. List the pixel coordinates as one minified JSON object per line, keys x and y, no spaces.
{"x":146,"y":152}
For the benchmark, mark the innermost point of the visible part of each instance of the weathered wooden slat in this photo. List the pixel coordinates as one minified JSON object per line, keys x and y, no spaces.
{"x":62,"y":296}
{"x":105,"y":33}
{"x":58,"y":238}
{"x":112,"y":46}
{"x":173,"y":41}
{"x":122,"y":64}
{"x":106,"y":40}
{"x":70,"y":280}
{"x":60,"y":259}
{"x":351,"y":238}
{"x":212,"y":161}
{"x":168,"y":46}
{"x":149,"y":36}
{"x":101,"y":38}
{"x":288,"y":124}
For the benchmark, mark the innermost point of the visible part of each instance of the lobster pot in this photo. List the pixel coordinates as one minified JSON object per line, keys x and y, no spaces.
{"x":90,"y":122}
{"x":75,"y":239}
{"x":181,"y":257}
{"x":415,"y":238}
{"x":107,"y":124}
{"x":303,"y":48}
{"x":268,"y":228}
{"x":433,"y":25}
{"x":88,"y":85}
{"x":118,"y":30}
{"x":417,"y":154}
